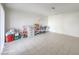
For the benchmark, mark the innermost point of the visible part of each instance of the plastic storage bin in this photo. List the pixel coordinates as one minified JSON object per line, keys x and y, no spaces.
{"x":9,"y":38}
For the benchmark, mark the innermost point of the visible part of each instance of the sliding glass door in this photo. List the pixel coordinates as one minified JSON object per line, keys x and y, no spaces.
{"x":2,"y":28}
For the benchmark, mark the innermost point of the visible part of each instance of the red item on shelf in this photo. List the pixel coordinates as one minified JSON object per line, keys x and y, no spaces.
{"x":9,"y":38}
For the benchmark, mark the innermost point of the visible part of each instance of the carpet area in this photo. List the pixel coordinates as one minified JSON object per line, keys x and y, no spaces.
{"x":44,"y":44}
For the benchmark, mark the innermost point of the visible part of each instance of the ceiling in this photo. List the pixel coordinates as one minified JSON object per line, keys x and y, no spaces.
{"x":44,"y":8}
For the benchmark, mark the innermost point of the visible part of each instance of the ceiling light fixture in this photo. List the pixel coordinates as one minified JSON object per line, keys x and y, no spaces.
{"x":53,"y":8}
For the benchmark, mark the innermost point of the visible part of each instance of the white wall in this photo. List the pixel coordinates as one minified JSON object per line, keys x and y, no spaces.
{"x":55,"y":23}
{"x":2,"y":28}
{"x":16,"y":18}
{"x":66,"y":23}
